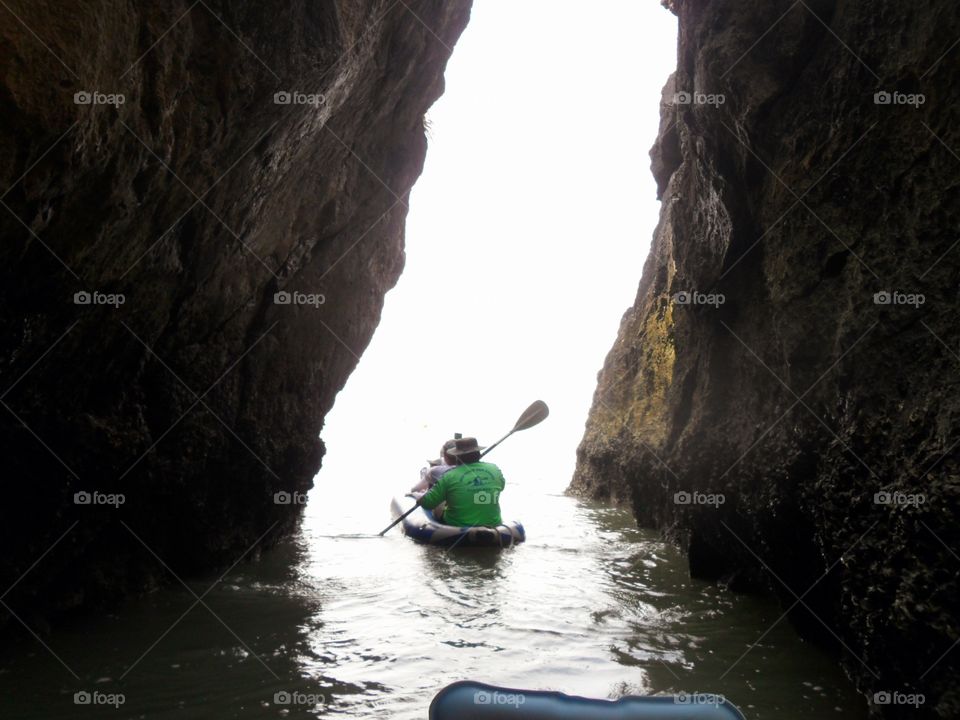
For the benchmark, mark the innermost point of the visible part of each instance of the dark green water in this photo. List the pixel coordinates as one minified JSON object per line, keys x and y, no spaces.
{"x":364,"y":627}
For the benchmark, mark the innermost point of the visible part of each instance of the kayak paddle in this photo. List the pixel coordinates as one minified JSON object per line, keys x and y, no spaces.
{"x":533,"y":415}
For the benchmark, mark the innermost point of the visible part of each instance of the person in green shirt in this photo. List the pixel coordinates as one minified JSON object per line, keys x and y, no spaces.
{"x":471,"y":489}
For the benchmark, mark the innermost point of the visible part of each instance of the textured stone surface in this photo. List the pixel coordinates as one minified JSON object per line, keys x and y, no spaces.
{"x":197,"y":199}
{"x":800,"y":398}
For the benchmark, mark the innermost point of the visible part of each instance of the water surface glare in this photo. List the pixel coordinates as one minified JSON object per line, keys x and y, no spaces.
{"x":352,"y":625}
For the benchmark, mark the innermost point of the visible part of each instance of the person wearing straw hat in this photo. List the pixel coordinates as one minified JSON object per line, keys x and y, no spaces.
{"x":471,"y":489}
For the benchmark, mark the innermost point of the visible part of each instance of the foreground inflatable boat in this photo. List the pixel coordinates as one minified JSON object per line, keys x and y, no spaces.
{"x":478,"y":701}
{"x":421,"y":526}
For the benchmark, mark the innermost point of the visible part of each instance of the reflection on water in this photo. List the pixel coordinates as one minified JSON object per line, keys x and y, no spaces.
{"x":357,"y":626}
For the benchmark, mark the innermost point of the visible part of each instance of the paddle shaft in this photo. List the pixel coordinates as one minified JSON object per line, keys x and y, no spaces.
{"x":497,"y":443}
{"x":391,"y":525}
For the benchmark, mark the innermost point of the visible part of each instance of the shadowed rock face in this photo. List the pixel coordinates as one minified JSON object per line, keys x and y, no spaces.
{"x":797,"y":196}
{"x":194,"y":202}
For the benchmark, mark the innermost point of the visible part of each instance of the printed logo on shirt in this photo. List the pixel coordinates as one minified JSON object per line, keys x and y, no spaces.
{"x":481,"y":477}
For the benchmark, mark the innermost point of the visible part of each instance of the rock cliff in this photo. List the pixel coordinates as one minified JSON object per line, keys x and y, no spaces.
{"x":781,"y":398}
{"x":203,"y":206}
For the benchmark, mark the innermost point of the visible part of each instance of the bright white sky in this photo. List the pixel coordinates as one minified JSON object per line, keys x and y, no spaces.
{"x":526,"y":239}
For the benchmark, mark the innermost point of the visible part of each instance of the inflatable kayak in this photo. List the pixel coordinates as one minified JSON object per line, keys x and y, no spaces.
{"x":422,"y":527}
{"x":478,"y":701}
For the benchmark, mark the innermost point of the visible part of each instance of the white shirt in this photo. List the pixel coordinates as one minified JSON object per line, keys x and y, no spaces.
{"x":429,"y":477}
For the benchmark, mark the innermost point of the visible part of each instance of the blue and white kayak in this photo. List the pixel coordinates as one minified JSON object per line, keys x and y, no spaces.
{"x":422,"y":527}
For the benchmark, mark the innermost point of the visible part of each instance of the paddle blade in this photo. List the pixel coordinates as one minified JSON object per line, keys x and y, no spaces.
{"x":533,"y":415}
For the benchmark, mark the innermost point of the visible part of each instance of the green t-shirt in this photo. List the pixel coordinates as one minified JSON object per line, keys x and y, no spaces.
{"x":472,"y":493}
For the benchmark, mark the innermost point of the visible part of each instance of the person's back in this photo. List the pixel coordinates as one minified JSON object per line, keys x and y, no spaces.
{"x":471,"y":490}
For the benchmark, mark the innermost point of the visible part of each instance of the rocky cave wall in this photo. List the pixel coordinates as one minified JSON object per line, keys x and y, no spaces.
{"x":258,"y":148}
{"x":778,"y":352}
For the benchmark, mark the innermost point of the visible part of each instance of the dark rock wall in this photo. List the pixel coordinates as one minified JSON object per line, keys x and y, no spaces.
{"x":798,"y":396}
{"x":197,"y":199}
